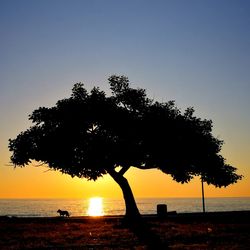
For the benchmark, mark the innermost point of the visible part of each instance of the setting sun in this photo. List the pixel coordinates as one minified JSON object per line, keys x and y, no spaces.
{"x":95,"y":207}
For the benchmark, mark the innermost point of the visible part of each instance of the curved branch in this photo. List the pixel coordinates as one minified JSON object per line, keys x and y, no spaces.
{"x":124,"y":170}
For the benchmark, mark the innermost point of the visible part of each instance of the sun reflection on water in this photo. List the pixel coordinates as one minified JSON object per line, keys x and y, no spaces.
{"x":95,"y":207}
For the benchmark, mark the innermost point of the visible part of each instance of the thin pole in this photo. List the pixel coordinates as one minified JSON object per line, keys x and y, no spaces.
{"x":203,"y":198}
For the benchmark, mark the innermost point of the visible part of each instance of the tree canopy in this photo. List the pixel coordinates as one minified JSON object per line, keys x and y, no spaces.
{"x":90,"y":134}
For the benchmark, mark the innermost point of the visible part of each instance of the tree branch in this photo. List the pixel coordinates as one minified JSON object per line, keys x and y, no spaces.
{"x":124,"y":170}
{"x":39,"y":165}
{"x":112,"y":173}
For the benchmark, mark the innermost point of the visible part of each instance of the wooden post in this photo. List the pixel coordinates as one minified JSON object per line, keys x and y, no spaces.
{"x":203,"y":198}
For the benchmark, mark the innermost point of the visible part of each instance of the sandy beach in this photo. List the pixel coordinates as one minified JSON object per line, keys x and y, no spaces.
{"x":221,"y":230}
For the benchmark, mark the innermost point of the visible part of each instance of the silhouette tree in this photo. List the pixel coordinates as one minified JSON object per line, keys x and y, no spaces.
{"x":90,"y":134}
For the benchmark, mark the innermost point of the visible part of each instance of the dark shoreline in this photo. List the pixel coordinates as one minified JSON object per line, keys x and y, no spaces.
{"x":212,"y":230}
{"x":171,"y":214}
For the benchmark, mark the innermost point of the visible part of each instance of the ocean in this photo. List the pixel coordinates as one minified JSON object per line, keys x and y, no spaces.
{"x":106,"y":206}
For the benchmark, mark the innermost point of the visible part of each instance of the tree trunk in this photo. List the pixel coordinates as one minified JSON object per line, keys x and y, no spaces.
{"x":132,"y":211}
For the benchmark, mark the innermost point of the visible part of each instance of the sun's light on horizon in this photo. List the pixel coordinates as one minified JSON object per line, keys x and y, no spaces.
{"x":95,"y":207}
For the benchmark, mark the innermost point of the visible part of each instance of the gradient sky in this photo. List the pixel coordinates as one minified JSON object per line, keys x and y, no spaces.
{"x":195,"y":52}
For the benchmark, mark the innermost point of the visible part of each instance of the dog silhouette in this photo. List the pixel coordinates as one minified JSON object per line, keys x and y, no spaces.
{"x":63,"y":213}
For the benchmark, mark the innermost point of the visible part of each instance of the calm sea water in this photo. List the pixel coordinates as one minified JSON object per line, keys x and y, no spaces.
{"x":80,"y":207}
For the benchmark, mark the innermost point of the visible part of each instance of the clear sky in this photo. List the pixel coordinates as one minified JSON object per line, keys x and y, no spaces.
{"x":195,"y":52}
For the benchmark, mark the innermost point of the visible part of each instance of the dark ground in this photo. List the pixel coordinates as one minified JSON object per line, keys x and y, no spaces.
{"x":225,"y":230}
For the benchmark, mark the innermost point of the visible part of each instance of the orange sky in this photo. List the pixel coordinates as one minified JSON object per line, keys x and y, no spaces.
{"x":33,"y":182}
{"x":38,"y":182}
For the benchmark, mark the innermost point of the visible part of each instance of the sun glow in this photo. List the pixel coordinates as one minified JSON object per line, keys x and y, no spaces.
{"x":95,"y":207}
